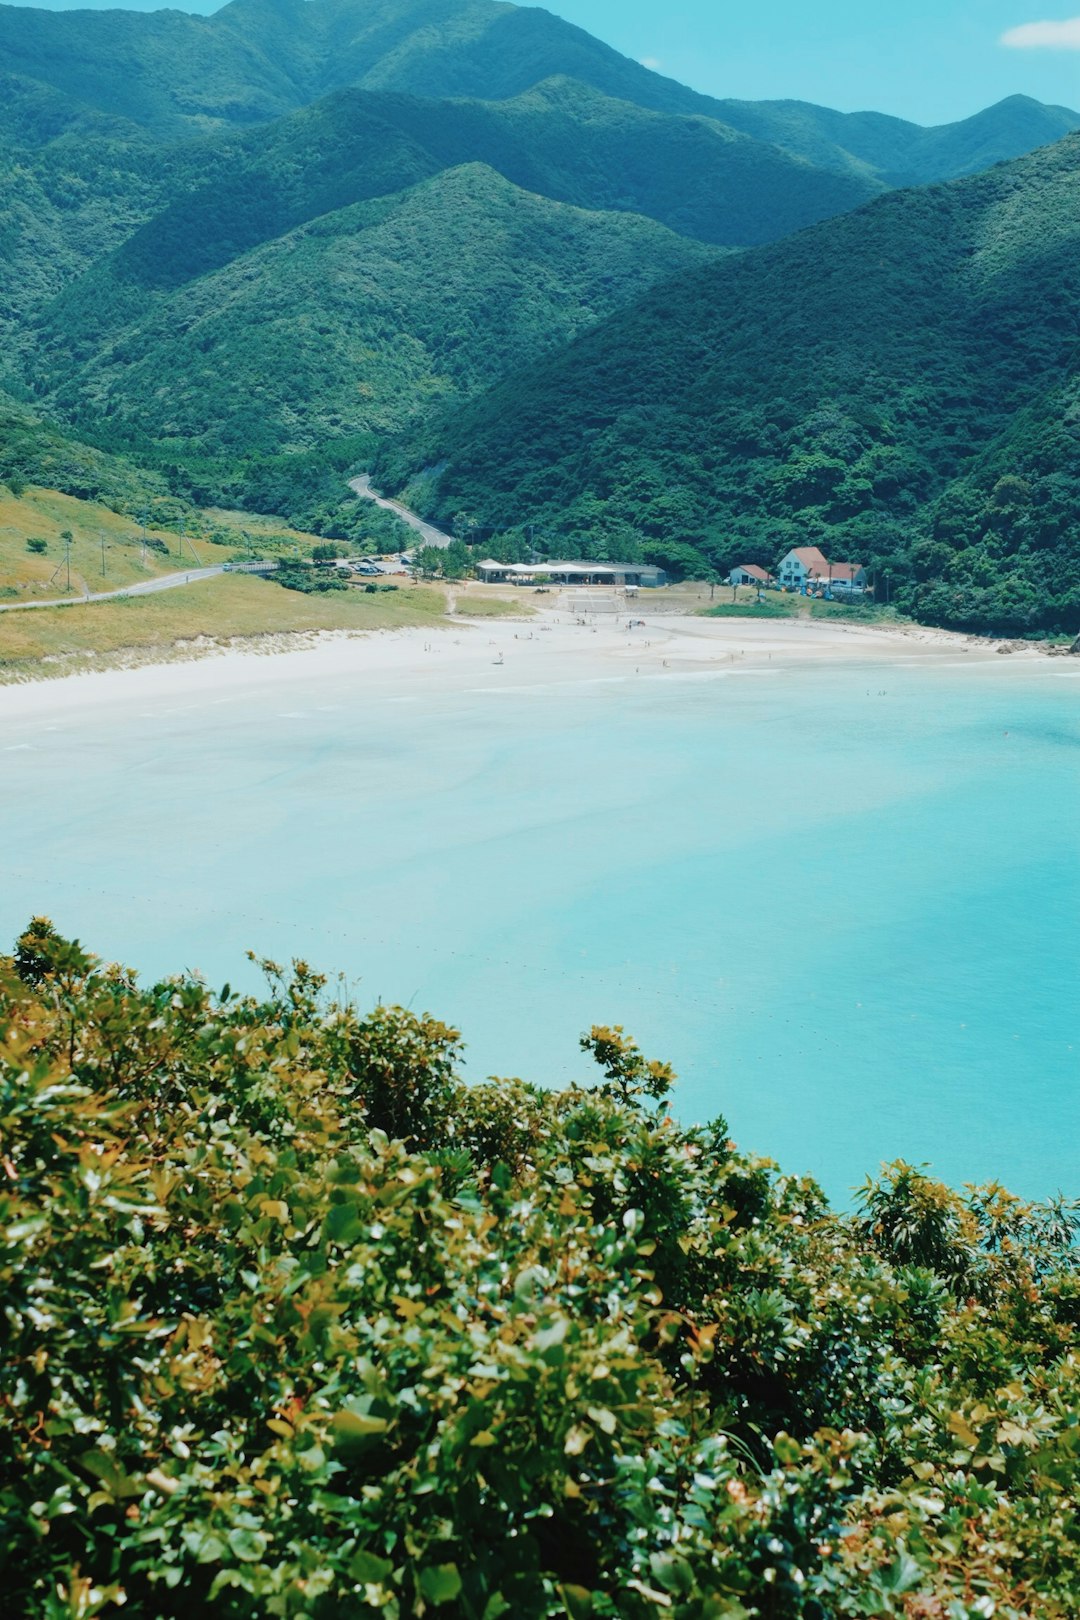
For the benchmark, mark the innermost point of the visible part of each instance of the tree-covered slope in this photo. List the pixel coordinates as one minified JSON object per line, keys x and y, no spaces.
{"x":566,"y":140}
{"x":297,"y":1323}
{"x":168,"y":71}
{"x":356,"y":322}
{"x":175,"y":212}
{"x":36,"y":452}
{"x":861,"y":386}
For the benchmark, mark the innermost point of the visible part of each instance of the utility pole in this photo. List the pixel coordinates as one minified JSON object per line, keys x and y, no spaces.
{"x":101,"y":537}
{"x":67,"y":559}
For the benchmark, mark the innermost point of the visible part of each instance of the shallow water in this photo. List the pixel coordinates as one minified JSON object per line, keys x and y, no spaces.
{"x":842,"y":901}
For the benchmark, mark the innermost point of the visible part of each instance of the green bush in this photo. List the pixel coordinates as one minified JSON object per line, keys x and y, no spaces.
{"x":308,"y":578}
{"x":297,"y":1324}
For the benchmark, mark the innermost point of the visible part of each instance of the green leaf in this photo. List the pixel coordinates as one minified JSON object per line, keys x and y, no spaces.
{"x":440,"y":1583}
{"x":902,"y":1575}
{"x":553,"y":1334}
{"x":343,"y":1223}
{"x":368,"y":1568}
{"x":353,"y":1429}
{"x":247,"y":1545}
{"x":603,"y":1419}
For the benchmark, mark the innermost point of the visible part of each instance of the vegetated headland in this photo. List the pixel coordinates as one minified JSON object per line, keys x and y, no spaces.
{"x":297,"y":1322}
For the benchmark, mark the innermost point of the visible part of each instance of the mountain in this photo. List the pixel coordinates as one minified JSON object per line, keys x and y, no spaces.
{"x":352,"y":323}
{"x":894,"y":152}
{"x":91,"y":185}
{"x":898,"y":385}
{"x":248,"y":248}
{"x":255,"y":60}
{"x":566,"y":140}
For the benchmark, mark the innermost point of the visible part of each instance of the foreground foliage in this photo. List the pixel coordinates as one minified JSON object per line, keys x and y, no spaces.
{"x":297,"y":1324}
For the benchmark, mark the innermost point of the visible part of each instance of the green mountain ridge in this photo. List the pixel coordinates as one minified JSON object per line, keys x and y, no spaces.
{"x":350,"y":324}
{"x":893,"y":151}
{"x":566,"y":140}
{"x":178,"y":211}
{"x":255,"y":60}
{"x":897,"y":385}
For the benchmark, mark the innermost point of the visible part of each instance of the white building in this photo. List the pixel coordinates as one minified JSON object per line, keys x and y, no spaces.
{"x":572,"y":573}
{"x":806,"y":568}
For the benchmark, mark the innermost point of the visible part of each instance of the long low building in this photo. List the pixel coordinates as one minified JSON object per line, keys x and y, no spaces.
{"x":572,"y":573}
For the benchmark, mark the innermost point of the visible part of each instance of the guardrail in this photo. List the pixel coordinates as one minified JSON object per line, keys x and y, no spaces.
{"x":269,"y":566}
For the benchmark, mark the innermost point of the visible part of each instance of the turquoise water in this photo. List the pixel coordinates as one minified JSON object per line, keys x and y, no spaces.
{"x":843,"y":902}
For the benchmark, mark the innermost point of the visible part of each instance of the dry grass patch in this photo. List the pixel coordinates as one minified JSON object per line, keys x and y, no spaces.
{"x":195,"y":619}
{"x":491,"y":607}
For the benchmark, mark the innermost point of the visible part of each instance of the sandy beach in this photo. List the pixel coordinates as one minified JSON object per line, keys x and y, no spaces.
{"x":550,"y":646}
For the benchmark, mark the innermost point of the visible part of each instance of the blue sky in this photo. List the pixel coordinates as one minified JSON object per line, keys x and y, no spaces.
{"x":929,"y":60}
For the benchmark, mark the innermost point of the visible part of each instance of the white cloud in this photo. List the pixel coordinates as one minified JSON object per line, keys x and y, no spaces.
{"x":1053,"y":36}
{"x":652,"y":62}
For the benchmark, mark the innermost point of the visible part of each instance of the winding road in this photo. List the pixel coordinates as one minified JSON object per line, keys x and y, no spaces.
{"x":427,"y":532}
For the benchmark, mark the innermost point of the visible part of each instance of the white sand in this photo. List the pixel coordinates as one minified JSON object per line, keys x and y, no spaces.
{"x":549,"y":647}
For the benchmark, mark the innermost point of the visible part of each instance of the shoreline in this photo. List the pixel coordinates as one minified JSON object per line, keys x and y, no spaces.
{"x":458,"y":651}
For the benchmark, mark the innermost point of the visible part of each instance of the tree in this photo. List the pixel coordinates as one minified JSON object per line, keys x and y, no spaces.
{"x":428,"y":561}
{"x":456,"y":560}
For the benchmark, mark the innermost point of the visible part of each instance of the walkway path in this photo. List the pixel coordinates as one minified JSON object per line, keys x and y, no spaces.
{"x":427,"y":532}
{"x":166,"y":582}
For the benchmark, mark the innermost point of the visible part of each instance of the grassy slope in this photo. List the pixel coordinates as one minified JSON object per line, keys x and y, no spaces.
{"x":46,"y":513}
{"x":856,"y":386}
{"x":226,"y":610}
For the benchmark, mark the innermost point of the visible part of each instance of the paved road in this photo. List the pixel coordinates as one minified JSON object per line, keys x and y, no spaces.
{"x":427,"y":532}
{"x":165,"y":582}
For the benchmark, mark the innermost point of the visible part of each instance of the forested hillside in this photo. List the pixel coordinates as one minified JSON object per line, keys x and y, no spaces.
{"x":296,"y":1322}
{"x":896,"y":386}
{"x":349,"y":326}
{"x":34,"y":452}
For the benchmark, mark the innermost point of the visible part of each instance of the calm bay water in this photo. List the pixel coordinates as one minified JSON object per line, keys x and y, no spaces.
{"x":842,"y":901}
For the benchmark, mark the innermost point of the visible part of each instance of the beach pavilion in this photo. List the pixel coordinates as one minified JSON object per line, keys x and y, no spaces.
{"x":572,"y":573}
